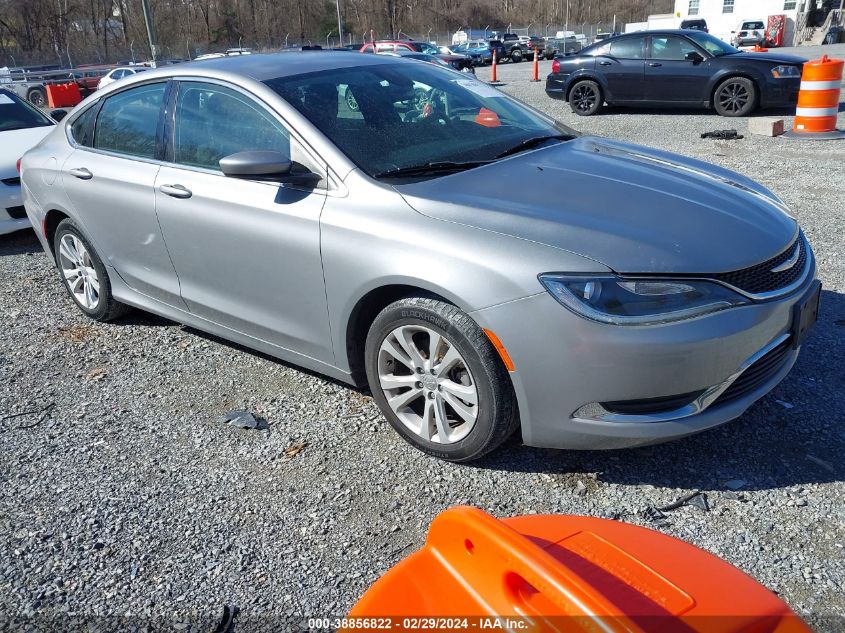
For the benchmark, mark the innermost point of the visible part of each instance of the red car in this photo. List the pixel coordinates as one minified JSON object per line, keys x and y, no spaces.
{"x":87,"y":77}
{"x":397,"y":46}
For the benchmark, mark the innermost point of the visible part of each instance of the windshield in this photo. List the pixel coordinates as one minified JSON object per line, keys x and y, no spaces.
{"x":17,"y":114}
{"x":398,"y":115}
{"x":711,"y":44}
{"x":752,"y":25}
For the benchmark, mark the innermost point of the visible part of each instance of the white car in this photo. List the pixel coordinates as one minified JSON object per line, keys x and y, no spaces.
{"x":22,"y":126}
{"x":119,"y":73}
{"x":749,"y":33}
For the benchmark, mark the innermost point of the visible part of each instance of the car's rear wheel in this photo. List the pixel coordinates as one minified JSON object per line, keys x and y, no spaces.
{"x":516,"y":56}
{"x":585,"y":98}
{"x":37,"y":97}
{"x":736,"y":96}
{"x":438,"y":380}
{"x":84,"y":275}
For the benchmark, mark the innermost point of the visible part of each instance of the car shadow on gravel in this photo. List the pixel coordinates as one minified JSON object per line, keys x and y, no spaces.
{"x":19,"y":243}
{"x":792,"y":436}
{"x":611,"y":110}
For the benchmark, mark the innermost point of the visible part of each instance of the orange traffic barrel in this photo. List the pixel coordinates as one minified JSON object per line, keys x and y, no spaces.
{"x":561,"y":573}
{"x":818,"y":100}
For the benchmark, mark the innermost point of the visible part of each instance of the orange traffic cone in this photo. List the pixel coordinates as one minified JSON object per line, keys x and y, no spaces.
{"x":558,"y":573}
{"x":818,"y":101}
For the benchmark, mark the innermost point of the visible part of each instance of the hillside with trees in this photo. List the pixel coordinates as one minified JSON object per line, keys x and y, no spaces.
{"x":91,"y":31}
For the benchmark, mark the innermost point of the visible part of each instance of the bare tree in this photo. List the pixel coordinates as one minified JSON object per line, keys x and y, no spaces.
{"x":42,"y":31}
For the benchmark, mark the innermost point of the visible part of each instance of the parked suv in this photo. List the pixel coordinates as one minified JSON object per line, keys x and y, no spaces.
{"x":749,"y":33}
{"x":497,"y":47}
{"x":695,"y":25}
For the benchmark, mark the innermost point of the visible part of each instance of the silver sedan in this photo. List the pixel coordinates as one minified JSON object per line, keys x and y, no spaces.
{"x":480,"y":267}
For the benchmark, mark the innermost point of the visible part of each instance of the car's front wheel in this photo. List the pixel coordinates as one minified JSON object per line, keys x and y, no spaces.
{"x":516,"y":56}
{"x":84,"y":274}
{"x":736,"y":96}
{"x":438,"y":380}
{"x":585,"y":98}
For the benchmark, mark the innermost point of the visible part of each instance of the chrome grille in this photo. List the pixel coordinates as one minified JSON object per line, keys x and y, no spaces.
{"x":760,"y":279}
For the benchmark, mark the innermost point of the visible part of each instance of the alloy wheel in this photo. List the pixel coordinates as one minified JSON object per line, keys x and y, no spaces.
{"x":733,"y":97}
{"x":351,"y":103}
{"x":427,"y":384}
{"x":584,"y":97}
{"x":79,"y":272}
{"x":36,"y":98}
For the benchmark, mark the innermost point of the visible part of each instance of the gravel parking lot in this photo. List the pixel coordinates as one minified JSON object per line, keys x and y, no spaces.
{"x":123,"y":496}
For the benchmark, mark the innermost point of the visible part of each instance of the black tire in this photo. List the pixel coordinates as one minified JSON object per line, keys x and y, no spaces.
{"x":106,"y":308}
{"x":735,"y":96}
{"x":585,"y":97}
{"x":497,"y":417}
{"x":37,"y":97}
{"x":516,"y":56}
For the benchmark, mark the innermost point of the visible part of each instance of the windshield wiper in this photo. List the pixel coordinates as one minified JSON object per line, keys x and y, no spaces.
{"x":533,"y":142}
{"x":428,"y":169}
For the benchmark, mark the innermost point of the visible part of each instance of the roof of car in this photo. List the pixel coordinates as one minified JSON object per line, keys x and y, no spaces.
{"x":657,"y":32}
{"x":273,"y":65}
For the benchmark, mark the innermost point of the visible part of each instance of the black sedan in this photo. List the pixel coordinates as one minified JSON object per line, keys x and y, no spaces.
{"x":674,"y":68}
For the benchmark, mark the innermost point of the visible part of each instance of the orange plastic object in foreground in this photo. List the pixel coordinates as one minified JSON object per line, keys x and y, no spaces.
{"x":818,"y":97}
{"x":566,"y":573}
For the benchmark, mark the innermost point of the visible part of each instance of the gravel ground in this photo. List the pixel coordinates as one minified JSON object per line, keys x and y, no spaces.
{"x":126,"y":497}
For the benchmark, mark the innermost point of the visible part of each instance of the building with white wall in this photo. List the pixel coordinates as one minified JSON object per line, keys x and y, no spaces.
{"x":723,"y":16}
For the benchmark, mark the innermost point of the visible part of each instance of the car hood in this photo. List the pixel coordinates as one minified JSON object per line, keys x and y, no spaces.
{"x":16,"y":143}
{"x":775,"y":58}
{"x":631,"y":208}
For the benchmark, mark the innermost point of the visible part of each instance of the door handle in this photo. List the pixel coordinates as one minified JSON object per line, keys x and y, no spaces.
{"x":81,"y":173}
{"x":604,"y":63}
{"x":175,"y":191}
{"x":655,"y":64}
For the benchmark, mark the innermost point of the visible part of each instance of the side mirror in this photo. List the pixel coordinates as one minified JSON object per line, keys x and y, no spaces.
{"x":266,"y":165}
{"x":694,"y":57}
{"x":58,"y":115}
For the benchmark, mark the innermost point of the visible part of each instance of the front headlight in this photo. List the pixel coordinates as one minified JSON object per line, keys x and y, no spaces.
{"x":785,"y":72}
{"x":621,"y":301}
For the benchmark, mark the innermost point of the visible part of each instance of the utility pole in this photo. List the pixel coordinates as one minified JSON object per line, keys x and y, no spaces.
{"x":151,"y":29}
{"x":339,"y":22}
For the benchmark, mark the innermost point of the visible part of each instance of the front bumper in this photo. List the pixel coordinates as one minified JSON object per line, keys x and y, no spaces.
{"x":779,"y":93}
{"x":566,"y":364}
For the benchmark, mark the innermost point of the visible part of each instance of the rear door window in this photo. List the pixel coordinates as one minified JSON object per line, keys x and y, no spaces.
{"x":627,"y":48}
{"x":82,"y":129}
{"x":128,"y":121}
